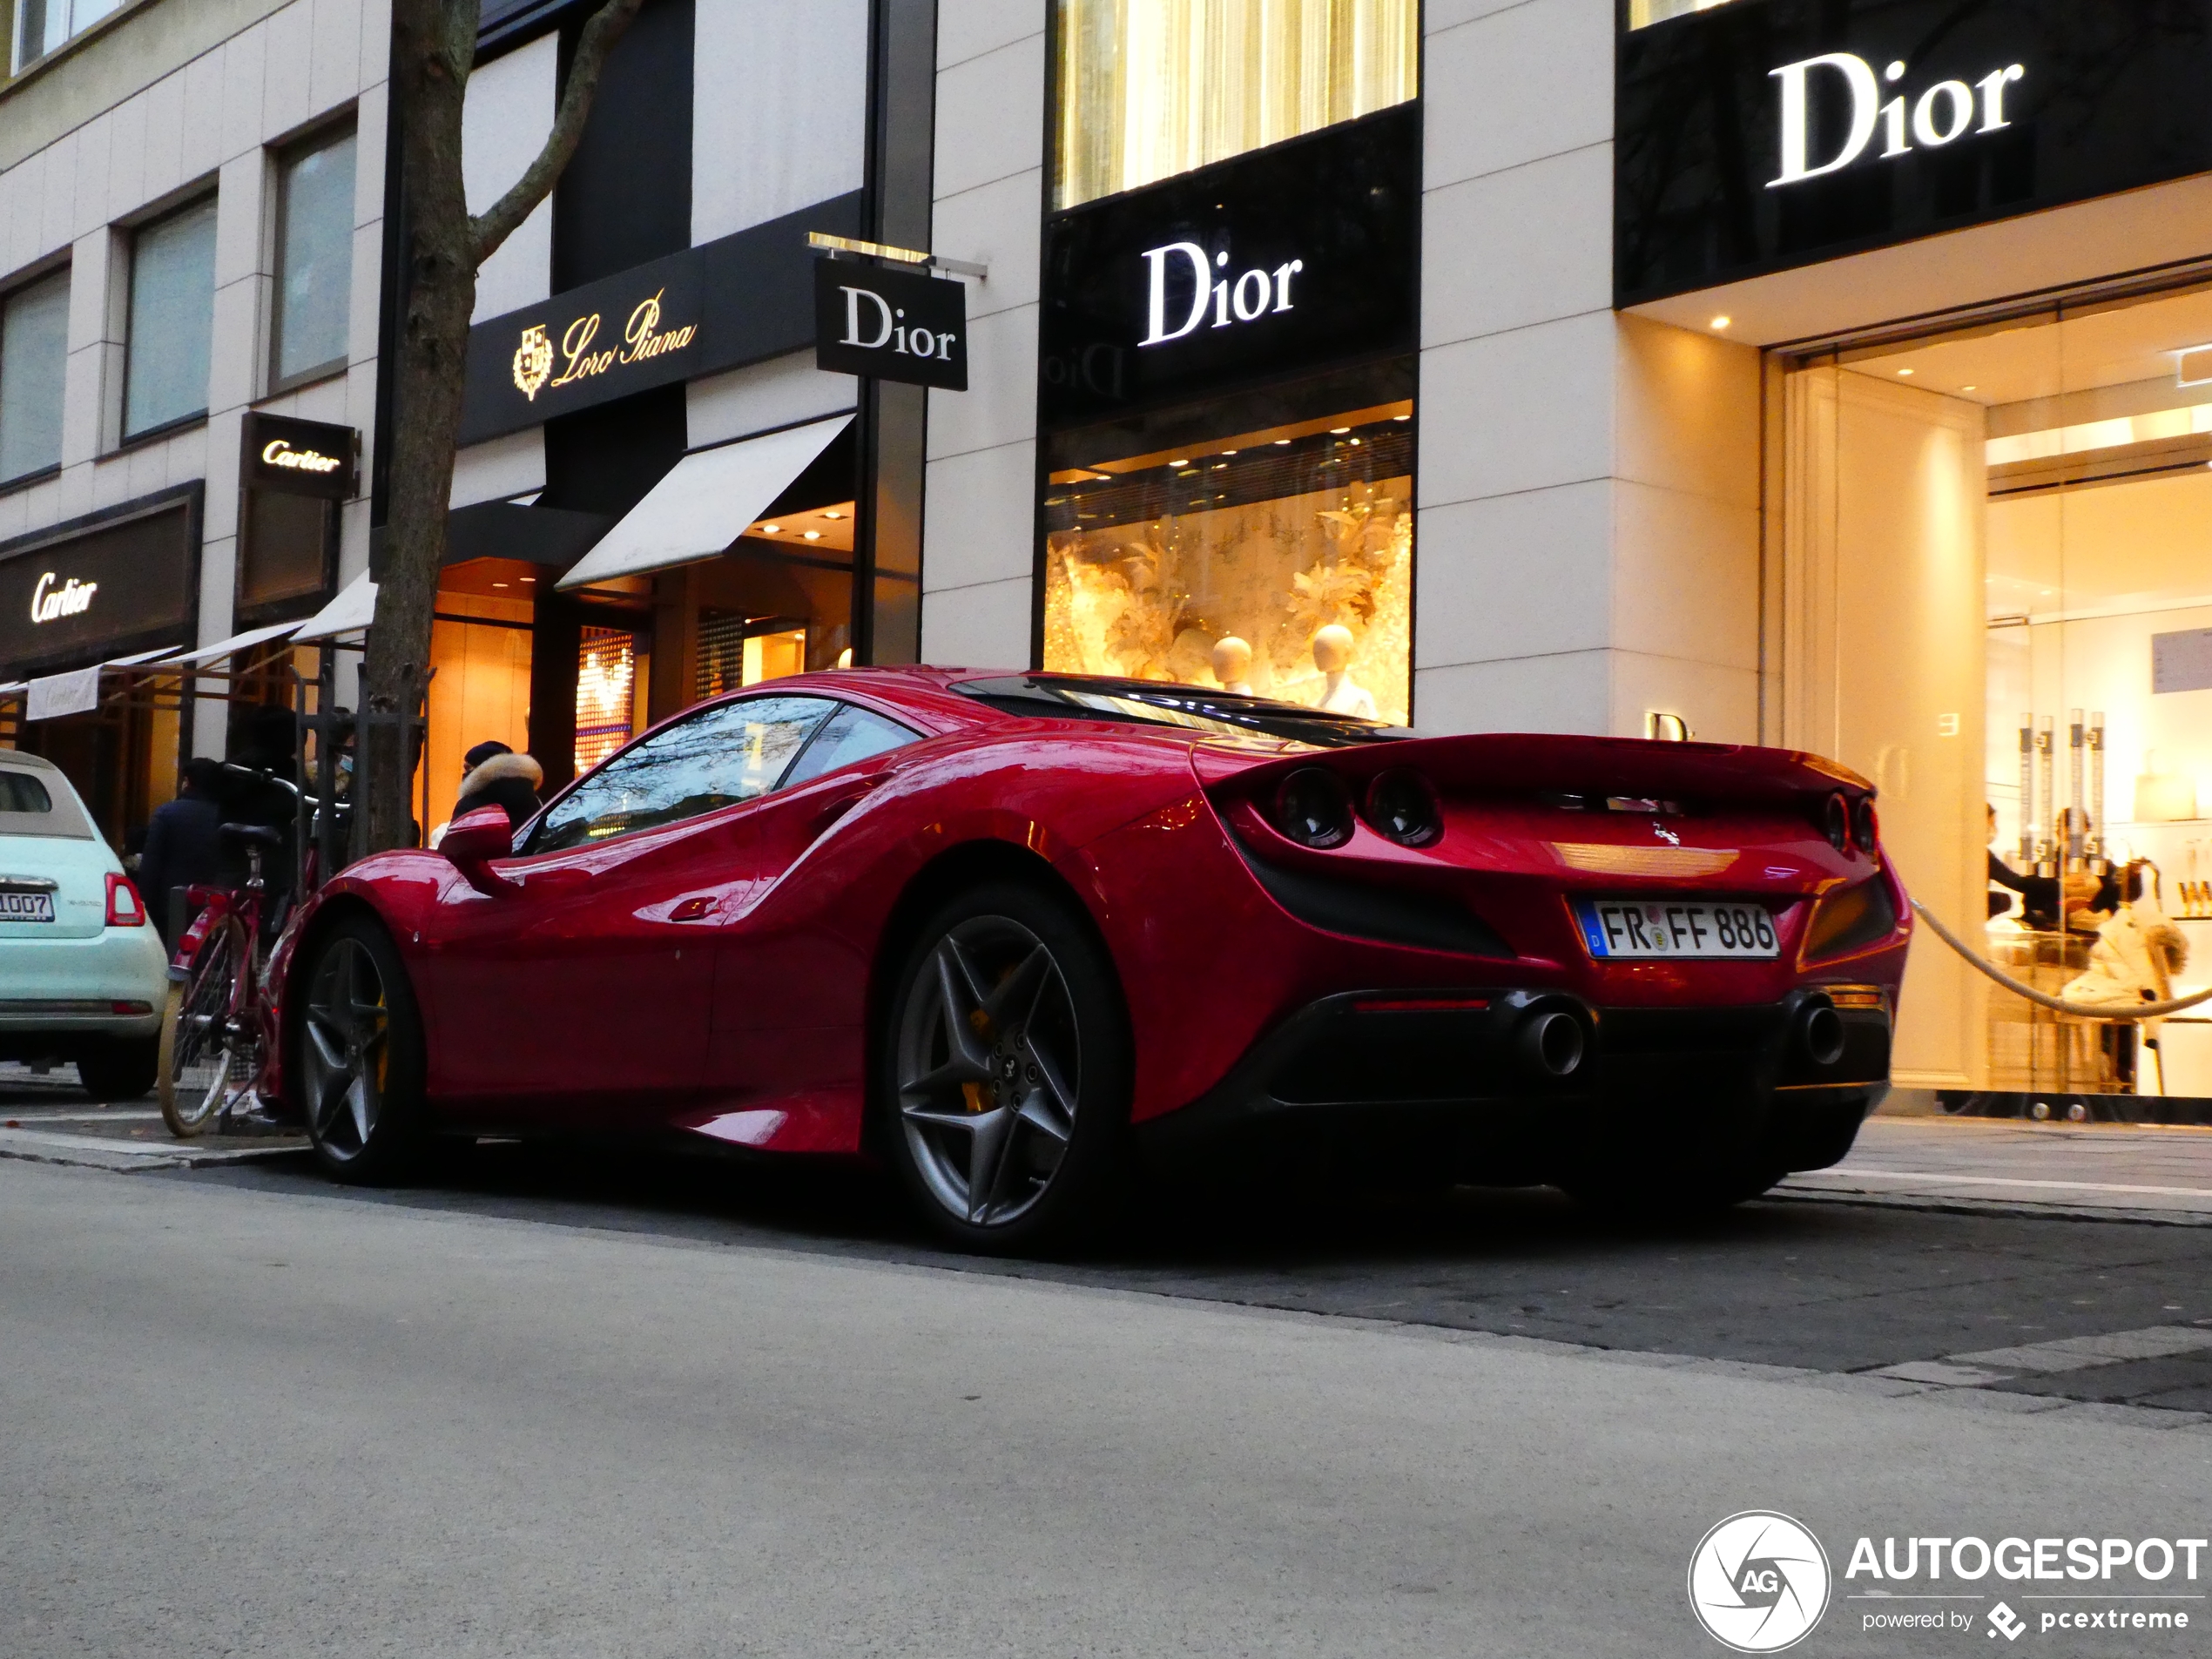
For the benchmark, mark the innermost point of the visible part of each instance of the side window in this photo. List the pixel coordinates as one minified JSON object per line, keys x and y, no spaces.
{"x":852,"y":734}
{"x":724,"y":755}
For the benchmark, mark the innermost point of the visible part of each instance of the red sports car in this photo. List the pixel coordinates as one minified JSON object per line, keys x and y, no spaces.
{"x":1004,"y":930}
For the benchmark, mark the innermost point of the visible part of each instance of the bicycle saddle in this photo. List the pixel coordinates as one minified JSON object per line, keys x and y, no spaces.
{"x":251,"y":834}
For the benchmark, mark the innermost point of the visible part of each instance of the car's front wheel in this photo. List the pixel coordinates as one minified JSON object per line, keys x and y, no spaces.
{"x":1007,"y":1074}
{"x":357,"y":1053}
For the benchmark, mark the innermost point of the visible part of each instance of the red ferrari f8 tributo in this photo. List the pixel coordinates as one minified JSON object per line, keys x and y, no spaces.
{"x":1004,"y":930}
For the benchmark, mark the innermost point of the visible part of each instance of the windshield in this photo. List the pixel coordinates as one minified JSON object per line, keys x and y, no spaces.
{"x":1212,"y":713}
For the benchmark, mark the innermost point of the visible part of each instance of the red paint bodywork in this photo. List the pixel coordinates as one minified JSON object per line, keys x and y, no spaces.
{"x":720,"y":974}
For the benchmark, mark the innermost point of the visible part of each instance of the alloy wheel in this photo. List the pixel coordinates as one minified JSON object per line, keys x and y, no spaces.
{"x":346,"y":1048}
{"x":988,"y":1070}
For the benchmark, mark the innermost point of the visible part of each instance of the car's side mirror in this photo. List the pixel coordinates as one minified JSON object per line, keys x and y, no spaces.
{"x":473,"y":840}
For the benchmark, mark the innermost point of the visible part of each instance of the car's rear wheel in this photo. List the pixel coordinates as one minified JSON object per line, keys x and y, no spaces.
{"x":1007,"y":1061}
{"x":124,"y":1069}
{"x":358,"y":1055}
{"x":199,"y":1062}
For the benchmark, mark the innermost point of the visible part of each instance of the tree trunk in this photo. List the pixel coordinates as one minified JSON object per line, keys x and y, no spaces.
{"x":435,"y":43}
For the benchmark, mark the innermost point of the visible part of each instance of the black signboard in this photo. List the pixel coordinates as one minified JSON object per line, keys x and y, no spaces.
{"x":1297,"y":257}
{"x":721,"y":305}
{"x":1764,"y":134}
{"x":891,"y":325}
{"x":300,"y":457}
{"x":102,"y":586}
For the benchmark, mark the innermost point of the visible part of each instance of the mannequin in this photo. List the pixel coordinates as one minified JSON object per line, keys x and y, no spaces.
{"x":1341,"y":694}
{"x":1232,"y":665}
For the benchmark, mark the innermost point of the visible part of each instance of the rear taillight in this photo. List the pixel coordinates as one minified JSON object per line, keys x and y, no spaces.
{"x":1835,"y":819}
{"x":1313,"y":808}
{"x":124,"y":908}
{"x":1851,"y":919}
{"x":1866,"y":828}
{"x":1402,"y":806}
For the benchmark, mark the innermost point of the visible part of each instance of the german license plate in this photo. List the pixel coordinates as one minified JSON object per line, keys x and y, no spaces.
{"x":1676,"y":930}
{"x":26,"y":906}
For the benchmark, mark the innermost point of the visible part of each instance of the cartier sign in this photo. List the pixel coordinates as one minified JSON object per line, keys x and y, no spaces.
{"x":1750,"y":138}
{"x":102,"y":586}
{"x":300,"y":457}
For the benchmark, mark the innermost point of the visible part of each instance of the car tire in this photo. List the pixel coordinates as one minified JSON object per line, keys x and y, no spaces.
{"x":123,"y":1070}
{"x":1004,"y":1079}
{"x":357,"y":1057}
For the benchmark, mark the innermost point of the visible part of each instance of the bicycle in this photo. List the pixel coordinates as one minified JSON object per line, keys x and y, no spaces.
{"x":216,"y":1023}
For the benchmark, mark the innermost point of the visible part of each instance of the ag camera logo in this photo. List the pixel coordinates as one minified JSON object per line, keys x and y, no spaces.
{"x":1759,"y":1581}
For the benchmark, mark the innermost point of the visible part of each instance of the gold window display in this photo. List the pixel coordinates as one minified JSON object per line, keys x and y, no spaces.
{"x":1278,"y":561}
{"x":1152,"y":88}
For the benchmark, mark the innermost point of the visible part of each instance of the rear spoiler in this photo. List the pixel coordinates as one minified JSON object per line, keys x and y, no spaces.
{"x":1536,"y":763}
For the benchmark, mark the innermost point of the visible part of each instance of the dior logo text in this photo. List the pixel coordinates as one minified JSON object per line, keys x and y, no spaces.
{"x":1246,"y":299}
{"x":72,"y":598}
{"x":888,"y":330}
{"x":1937,"y":116}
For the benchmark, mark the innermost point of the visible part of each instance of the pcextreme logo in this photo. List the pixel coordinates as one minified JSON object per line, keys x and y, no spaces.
{"x":1759,"y":1581}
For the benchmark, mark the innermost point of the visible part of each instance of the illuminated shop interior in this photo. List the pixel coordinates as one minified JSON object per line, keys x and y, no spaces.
{"x":1277,"y":560}
{"x":1999,"y":596}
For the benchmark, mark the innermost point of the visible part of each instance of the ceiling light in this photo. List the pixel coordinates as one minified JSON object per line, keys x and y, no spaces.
{"x":1905,"y":371}
{"x":812,"y":535}
{"x":1969,"y":389}
{"x":1180,"y":461}
{"x":833,"y":513}
{"x":771,"y":529}
{"x":1355,"y":441}
{"x":1721,"y":323}
{"x":1282,"y":441}
{"x":1337,"y":431}
{"x":1229,"y":452}
{"x":1401,"y":417}
{"x":499,"y":584}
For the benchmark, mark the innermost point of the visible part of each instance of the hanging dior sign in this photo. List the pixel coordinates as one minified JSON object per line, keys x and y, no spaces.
{"x":1937,"y":116}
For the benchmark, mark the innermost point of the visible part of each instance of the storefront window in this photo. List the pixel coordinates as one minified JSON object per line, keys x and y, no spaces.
{"x":1643,"y":13}
{"x":315,"y":259}
{"x":34,"y":353}
{"x":1150,"y":88}
{"x":1998,"y":604}
{"x":1277,"y":560}
{"x":173,"y":319}
{"x":606,"y":682}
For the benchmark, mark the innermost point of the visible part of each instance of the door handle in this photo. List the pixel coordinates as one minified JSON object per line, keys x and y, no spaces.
{"x":843,"y":801}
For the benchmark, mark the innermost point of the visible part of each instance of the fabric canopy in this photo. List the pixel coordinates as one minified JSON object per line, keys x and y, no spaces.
{"x":705,"y":502}
{"x":352,"y":611}
{"x":236,"y":642}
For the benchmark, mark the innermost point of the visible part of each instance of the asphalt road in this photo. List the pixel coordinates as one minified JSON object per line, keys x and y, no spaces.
{"x":566,"y":1407}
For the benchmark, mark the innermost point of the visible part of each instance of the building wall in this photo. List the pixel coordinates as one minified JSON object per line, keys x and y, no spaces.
{"x":979,"y":513}
{"x":172,"y":99}
{"x":1588,"y":543}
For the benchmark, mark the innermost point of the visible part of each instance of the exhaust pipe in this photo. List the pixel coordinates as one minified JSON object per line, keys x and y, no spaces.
{"x":1820,"y":1034}
{"x":1552,"y":1044}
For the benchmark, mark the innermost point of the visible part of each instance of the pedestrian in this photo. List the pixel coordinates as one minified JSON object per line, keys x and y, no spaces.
{"x":496,"y":776}
{"x":183,"y":846}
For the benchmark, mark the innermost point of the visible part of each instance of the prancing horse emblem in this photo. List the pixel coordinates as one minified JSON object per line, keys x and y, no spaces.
{"x":1666,"y":835}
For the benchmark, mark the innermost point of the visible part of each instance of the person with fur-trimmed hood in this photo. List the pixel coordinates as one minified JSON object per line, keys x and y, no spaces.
{"x":497,"y":776}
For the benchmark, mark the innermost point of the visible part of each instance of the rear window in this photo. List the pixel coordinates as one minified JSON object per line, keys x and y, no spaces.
{"x":30,"y":805}
{"x":1213,"y":714}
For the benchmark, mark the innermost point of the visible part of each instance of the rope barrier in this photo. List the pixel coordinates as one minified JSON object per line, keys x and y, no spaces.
{"x":2080,"y":1010}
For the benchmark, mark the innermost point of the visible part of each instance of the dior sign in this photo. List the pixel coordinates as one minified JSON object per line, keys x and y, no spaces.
{"x":890,"y":325}
{"x":1939,"y":115}
{"x":1252,"y":295}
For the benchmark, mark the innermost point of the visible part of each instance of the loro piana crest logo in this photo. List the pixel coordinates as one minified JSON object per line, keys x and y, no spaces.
{"x":1759,"y":1581}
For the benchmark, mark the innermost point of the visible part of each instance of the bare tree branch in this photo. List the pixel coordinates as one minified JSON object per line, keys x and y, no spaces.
{"x":496,"y":222}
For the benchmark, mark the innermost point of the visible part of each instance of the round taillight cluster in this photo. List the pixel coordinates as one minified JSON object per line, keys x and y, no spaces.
{"x":1313,"y":808}
{"x":1835,"y":819}
{"x":1866,"y":828}
{"x":1402,"y":806}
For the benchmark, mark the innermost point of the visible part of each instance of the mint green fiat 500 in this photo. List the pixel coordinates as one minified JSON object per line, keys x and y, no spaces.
{"x":82,"y":973}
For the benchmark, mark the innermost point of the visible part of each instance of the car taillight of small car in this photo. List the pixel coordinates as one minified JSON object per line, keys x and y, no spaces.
{"x":124,"y":908}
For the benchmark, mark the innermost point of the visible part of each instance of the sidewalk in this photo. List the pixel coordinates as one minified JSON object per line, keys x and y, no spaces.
{"x":2090,"y":1171}
{"x":49,"y":1120}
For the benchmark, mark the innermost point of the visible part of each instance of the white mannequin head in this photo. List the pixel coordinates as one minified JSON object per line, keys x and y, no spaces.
{"x":1332,"y":649}
{"x":1232,"y":661}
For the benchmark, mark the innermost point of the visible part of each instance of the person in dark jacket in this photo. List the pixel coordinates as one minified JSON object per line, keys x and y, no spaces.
{"x":499,"y":777}
{"x":182,"y":846}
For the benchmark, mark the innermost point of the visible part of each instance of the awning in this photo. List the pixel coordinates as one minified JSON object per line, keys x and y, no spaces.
{"x":705,"y":502}
{"x":236,"y":642}
{"x":77,"y":691}
{"x":353,"y":610}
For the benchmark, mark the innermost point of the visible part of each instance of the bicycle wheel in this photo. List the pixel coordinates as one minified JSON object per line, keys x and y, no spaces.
{"x":199,"y":1050}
